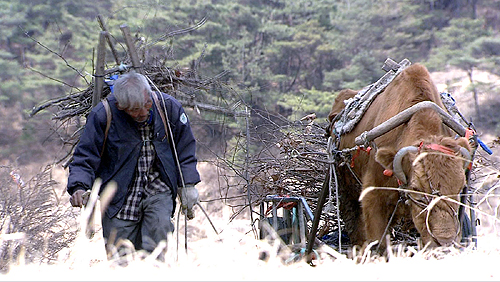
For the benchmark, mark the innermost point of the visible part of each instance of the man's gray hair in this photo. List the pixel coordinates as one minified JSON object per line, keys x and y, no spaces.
{"x":129,"y":90}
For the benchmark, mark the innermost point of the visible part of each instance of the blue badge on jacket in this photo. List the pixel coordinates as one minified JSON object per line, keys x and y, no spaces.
{"x":183,"y":118}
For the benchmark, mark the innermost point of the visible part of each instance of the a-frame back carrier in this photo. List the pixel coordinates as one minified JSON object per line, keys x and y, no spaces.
{"x":108,"y":122}
{"x":109,"y":117}
{"x":162,"y":113}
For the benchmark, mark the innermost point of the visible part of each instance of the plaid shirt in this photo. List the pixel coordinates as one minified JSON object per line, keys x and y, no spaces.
{"x":146,"y":181}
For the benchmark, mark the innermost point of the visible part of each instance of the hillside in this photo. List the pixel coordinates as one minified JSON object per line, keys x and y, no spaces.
{"x":457,"y":83}
{"x":284,"y":57}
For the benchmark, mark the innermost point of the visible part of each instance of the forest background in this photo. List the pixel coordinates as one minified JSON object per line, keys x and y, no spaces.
{"x":287,"y":57}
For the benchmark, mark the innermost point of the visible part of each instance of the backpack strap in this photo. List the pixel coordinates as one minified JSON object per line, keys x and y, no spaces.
{"x":109,"y":116}
{"x":162,"y":113}
{"x":108,"y":122}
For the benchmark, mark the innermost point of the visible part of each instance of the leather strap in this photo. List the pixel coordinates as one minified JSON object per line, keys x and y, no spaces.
{"x":109,"y":116}
{"x":436,"y":147}
{"x":162,"y":114}
{"x":108,"y":122}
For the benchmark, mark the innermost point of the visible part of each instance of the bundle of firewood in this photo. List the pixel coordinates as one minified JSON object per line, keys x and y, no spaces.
{"x":185,"y":84}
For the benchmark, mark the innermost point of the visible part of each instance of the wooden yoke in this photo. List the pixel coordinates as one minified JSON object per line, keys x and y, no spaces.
{"x":137,"y":66}
{"x":99,"y":69}
{"x":100,"y":20}
{"x":131,"y":49}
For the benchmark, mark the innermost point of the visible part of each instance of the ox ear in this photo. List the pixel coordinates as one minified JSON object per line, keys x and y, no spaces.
{"x":385,"y":157}
{"x":463,"y":142}
{"x":465,"y":151}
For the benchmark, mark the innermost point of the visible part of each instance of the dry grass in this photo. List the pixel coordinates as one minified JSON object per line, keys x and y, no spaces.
{"x":34,"y":224}
{"x":235,"y":254}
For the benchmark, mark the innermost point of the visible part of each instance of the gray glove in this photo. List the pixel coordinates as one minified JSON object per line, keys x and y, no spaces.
{"x":80,"y":197}
{"x":189,"y":197}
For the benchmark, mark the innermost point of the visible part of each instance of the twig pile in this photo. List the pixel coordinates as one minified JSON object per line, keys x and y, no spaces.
{"x":297,"y":166}
{"x":166,"y":79}
{"x":292,"y":161}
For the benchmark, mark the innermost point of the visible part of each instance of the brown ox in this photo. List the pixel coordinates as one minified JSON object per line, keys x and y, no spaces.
{"x":439,"y":172}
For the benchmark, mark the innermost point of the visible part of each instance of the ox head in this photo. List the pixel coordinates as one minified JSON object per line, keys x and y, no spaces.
{"x":434,"y":169}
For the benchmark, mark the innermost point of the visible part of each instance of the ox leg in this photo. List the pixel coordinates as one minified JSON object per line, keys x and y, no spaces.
{"x":350,"y":208}
{"x":378,"y":206}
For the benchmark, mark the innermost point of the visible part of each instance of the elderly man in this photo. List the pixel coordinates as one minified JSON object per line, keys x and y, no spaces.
{"x":141,"y":156}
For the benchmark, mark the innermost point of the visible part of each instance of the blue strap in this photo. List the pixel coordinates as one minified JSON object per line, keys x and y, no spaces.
{"x":484,"y":146}
{"x":110,"y":82}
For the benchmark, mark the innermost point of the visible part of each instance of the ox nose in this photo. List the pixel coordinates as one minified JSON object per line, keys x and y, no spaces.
{"x":445,"y":239}
{"x":445,"y":242}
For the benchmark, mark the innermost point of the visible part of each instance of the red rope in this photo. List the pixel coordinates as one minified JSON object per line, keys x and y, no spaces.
{"x":367,"y":150}
{"x":285,"y":205}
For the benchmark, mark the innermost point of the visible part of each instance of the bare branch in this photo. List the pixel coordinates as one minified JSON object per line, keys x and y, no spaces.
{"x":51,"y":78}
{"x":178,"y":32}
{"x":55,"y":53}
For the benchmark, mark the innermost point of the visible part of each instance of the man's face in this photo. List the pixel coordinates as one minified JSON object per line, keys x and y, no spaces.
{"x":141,"y":114}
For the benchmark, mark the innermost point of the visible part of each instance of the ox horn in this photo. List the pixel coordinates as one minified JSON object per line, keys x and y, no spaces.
{"x":465,"y":153}
{"x":398,"y":158}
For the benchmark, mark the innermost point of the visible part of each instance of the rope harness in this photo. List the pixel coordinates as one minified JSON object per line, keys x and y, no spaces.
{"x":425,"y":201}
{"x":356,"y":106}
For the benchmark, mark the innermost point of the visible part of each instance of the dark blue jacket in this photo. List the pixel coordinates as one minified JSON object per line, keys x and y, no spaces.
{"x":123,"y":145}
